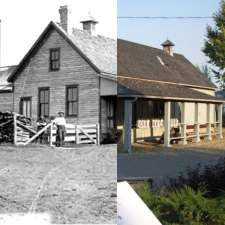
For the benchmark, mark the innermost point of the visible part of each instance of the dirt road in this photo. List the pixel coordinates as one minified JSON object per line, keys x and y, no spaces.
{"x":73,"y":185}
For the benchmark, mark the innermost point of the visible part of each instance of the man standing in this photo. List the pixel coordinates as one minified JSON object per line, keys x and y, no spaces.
{"x":60,"y":123}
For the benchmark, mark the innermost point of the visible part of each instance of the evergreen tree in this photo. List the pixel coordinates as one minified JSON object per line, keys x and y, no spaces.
{"x":205,"y":70}
{"x":215,"y":46}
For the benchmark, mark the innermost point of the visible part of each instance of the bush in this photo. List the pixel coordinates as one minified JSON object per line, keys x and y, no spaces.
{"x":209,"y":178}
{"x":184,"y":206}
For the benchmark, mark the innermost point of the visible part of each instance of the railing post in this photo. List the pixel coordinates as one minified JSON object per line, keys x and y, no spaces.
{"x":197,"y":122}
{"x":77,"y":134}
{"x":50,"y":137}
{"x":220,"y":120}
{"x":15,"y":129}
{"x":97,"y":134}
{"x":127,"y":127}
{"x":209,"y":122}
{"x":167,"y":115}
{"x":183,"y":122}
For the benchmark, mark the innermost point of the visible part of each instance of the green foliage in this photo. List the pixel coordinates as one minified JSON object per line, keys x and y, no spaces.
{"x":210,"y":177}
{"x":215,"y":45}
{"x":184,"y":207}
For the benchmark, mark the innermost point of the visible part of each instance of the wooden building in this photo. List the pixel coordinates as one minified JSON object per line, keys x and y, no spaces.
{"x":159,"y":90}
{"x":73,"y":71}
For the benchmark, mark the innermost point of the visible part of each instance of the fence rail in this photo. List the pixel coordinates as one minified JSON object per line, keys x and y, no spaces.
{"x":24,"y":134}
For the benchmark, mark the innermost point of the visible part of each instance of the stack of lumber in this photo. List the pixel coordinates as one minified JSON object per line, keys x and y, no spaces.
{"x":6,"y":127}
{"x":23,"y":126}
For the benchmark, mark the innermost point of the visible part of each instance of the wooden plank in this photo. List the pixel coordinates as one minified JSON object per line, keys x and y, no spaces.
{"x":25,"y":127}
{"x":86,"y":142}
{"x":38,"y":133}
{"x":15,"y":129}
{"x":82,"y":130}
{"x":98,"y":134}
{"x":83,"y":136}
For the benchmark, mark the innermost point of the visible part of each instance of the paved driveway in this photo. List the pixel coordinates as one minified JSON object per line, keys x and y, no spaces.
{"x":160,"y":164}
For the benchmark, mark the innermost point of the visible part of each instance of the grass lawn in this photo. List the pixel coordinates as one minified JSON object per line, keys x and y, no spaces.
{"x":73,"y":185}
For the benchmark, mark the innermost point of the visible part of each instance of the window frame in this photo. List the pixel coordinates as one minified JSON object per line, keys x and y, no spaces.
{"x":67,"y":101}
{"x":22,"y":99}
{"x":54,"y":60}
{"x":110,"y":109}
{"x":39,"y":102}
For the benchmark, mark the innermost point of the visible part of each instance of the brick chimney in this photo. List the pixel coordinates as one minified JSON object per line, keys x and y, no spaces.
{"x":64,"y":17}
{"x":89,"y":24}
{"x":168,"y":47}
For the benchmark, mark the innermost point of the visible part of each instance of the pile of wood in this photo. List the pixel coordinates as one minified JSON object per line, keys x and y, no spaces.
{"x":7,"y":127}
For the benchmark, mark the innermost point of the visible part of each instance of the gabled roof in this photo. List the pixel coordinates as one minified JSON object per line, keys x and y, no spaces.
{"x":96,"y":50}
{"x":102,"y":51}
{"x":141,"y":61}
{"x":5,"y":72}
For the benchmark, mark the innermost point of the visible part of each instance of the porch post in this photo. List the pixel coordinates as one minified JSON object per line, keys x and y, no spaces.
{"x":183,"y":121}
{"x":209,"y":122}
{"x":167,"y":115}
{"x":127,"y":124}
{"x":220,"y":120}
{"x":197,"y":122}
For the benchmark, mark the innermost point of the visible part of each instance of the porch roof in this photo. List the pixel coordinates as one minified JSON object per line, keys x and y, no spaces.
{"x":158,"y":90}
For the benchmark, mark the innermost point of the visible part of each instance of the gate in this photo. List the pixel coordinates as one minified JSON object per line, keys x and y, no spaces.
{"x":24,"y":134}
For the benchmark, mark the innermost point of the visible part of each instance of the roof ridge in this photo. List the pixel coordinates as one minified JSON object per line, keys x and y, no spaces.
{"x":148,"y":46}
{"x":91,"y":35}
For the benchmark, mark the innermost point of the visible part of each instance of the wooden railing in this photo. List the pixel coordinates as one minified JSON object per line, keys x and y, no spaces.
{"x":79,"y":134}
{"x":75,"y":134}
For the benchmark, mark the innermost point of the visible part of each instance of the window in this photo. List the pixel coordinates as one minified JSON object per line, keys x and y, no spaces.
{"x":25,"y":106}
{"x":54,"y":62}
{"x":72,"y":100}
{"x":110,"y":114}
{"x":43,"y":102}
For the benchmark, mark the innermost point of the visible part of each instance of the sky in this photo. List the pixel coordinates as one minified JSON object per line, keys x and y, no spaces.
{"x":187,"y":35}
{"x":24,"y":20}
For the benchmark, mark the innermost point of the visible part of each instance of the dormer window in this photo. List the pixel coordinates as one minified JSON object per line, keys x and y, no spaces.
{"x":54,"y":59}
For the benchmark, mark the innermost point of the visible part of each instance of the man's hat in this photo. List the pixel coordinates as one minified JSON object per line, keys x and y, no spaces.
{"x":60,"y":112}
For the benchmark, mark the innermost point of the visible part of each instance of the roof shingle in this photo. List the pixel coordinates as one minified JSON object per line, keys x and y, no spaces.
{"x":128,"y":87}
{"x":141,"y":61}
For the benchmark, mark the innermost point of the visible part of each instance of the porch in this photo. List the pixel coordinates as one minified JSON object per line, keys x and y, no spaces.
{"x":185,"y":113}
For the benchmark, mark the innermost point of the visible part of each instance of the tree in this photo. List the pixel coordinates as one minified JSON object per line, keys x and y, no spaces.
{"x":204,"y":69}
{"x":215,"y":46}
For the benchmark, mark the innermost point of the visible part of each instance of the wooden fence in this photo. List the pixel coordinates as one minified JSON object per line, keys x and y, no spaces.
{"x":25,"y":134}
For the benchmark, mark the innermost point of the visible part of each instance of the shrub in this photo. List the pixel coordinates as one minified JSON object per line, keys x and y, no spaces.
{"x":184,"y":206}
{"x":210,"y":178}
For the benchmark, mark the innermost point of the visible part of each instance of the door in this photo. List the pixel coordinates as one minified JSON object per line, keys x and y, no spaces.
{"x":25,"y":106}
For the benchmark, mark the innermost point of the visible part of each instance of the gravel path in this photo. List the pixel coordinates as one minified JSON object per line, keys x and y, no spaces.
{"x":72,"y":185}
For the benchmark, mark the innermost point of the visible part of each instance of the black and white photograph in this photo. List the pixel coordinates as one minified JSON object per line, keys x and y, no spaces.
{"x":57,"y":112}
{"x":112,"y":112}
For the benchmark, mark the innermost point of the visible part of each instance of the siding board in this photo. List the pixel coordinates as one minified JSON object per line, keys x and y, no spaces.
{"x":74,"y":69}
